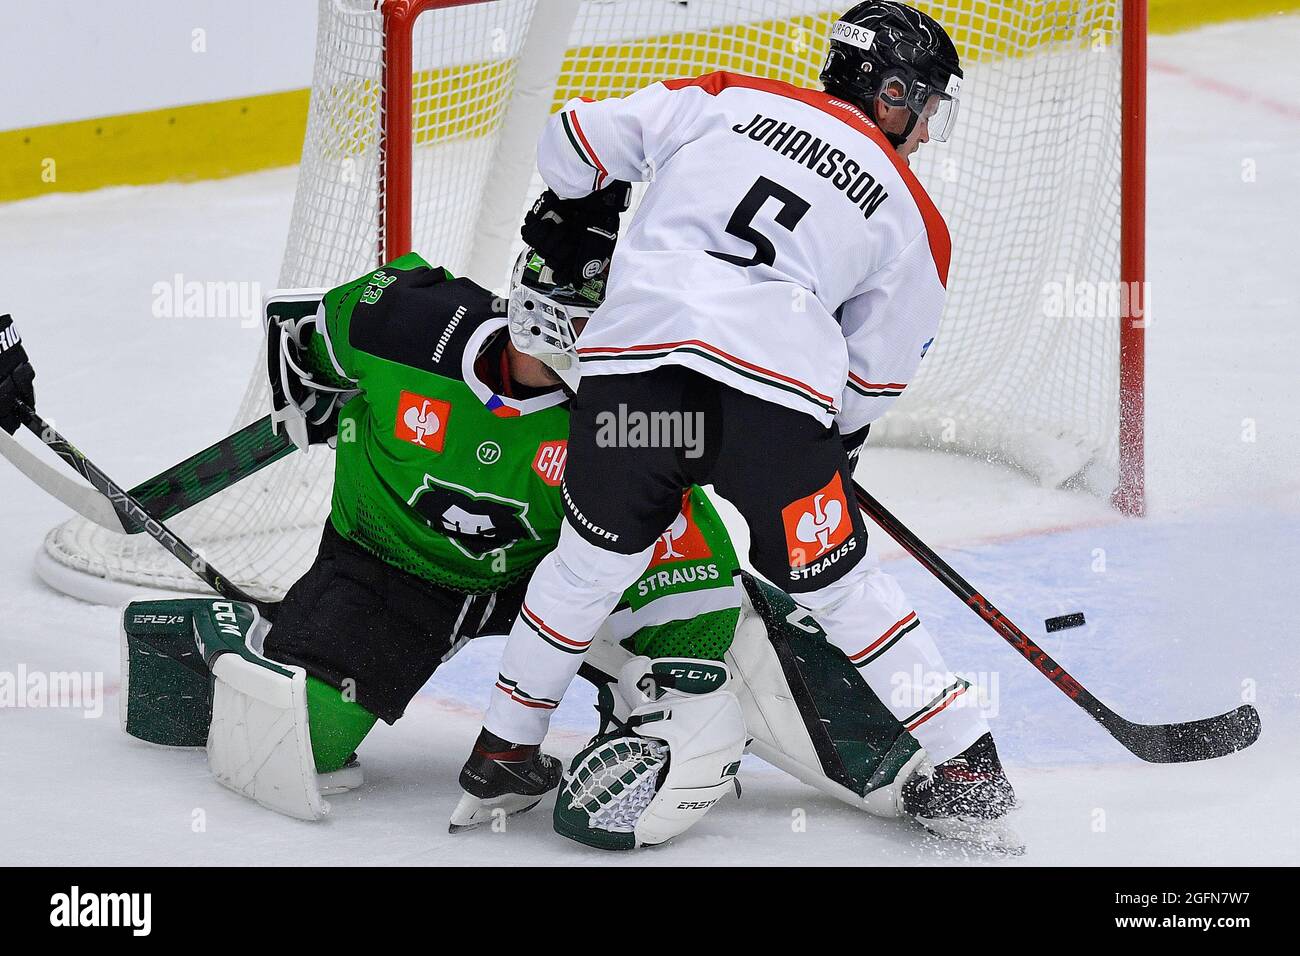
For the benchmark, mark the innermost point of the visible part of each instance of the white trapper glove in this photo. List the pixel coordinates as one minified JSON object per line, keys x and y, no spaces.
{"x":665,"y":766}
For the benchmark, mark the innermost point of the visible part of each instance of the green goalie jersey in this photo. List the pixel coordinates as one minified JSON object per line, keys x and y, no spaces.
{"x":448,"y":471}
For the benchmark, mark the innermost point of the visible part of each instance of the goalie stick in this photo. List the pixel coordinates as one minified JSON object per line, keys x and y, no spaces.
{"x":170,"y":492}
{"x":131,"y":509}
{"x":1155,"y":743}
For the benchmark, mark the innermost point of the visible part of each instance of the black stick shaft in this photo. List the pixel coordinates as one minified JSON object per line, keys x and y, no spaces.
{"x":213,"y":469}
{"x":130,"y":507}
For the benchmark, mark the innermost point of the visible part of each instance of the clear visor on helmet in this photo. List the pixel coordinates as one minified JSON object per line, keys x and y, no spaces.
{"x":936,"y":108}
{"x":939,"y":112}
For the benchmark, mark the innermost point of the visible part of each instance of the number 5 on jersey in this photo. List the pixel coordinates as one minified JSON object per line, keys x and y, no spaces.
{"x":741,"y":223}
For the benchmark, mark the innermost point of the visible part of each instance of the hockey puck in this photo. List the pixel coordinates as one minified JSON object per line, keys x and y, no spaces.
{"x":1063,"y":621}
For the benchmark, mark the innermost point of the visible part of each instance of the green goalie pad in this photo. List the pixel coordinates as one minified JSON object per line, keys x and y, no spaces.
{"x":166,"y":695}
{"x":858,"y":743}
{"x":168,"y":648}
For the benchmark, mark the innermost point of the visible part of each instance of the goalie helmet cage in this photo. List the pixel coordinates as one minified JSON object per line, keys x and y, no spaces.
{"x":421,"y":133}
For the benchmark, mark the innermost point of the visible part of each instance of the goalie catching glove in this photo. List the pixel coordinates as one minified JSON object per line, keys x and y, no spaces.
{"x":576,"y":236}
{"x":303,"y":405}
{"x":16,"y":376}
{"x":672,"y":756}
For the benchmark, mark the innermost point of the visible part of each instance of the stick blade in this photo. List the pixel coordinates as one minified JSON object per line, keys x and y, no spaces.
{"x":1194,"y":740}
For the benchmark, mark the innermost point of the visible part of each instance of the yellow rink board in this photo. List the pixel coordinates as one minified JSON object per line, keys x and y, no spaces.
{"x":230,"y":137}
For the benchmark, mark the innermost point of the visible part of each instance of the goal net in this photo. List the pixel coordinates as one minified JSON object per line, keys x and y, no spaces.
{"x":421,"y":134}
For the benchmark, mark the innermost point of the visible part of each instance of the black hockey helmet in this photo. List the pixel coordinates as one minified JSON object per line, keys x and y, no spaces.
{"x":889,"y":50}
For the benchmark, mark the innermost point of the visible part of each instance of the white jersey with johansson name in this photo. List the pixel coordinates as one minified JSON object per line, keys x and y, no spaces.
{"x":782,"y":247}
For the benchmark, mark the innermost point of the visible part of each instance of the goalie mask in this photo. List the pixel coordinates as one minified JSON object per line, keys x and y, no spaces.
{"x":542,"y":313}
{"x":887,"y":51}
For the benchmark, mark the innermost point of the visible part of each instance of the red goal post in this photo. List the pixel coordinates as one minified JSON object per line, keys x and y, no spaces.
{"x":1129,"y":495}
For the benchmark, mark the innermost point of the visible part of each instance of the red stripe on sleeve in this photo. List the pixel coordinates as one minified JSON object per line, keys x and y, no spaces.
{"x":577,"y":127}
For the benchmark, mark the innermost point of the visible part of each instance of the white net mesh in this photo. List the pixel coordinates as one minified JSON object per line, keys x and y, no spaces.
{"x":1031,"y":191}
{"x":1029,"y":186}
{"x":616,"y":782}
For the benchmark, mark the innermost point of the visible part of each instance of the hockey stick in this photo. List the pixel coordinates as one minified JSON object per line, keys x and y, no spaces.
{"x":170,"y":492}
{"x":1156,"y":743}
{"x":214,"y":469}
{"x":131,"y":509}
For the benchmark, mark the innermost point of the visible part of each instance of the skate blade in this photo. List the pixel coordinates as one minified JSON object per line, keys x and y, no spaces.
{"x":993,"y":835}
{"x":472,"y":812}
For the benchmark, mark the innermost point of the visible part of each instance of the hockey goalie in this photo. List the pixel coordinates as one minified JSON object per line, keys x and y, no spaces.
{"x":503,"y":468}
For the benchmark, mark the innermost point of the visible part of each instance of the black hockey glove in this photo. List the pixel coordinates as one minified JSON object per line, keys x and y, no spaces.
{"x":576,"y":237}
{"x":854,"y":441}
{"x":16,"y":376}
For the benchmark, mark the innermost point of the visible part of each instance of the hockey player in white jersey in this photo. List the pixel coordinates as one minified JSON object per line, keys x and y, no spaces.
{"x":780,"y":284}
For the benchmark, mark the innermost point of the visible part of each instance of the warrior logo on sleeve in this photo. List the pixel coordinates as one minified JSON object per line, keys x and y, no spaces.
{"x":477,"y":523}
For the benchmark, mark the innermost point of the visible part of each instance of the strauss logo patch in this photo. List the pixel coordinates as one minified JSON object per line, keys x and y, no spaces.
{"x":422,"y":421}
{"x":817,"y":523}
{"x":683,"y":541}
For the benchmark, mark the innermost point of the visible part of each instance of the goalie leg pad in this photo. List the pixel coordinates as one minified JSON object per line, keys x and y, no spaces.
{"x":166,"y":694}
{"x":674,"y":758}
{"x":170,"y":692}
{"x":810,"y":712}
{"x":259,"y":744}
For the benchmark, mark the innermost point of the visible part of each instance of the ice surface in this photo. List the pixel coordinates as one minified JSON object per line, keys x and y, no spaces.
{"x":1193,"y":610}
